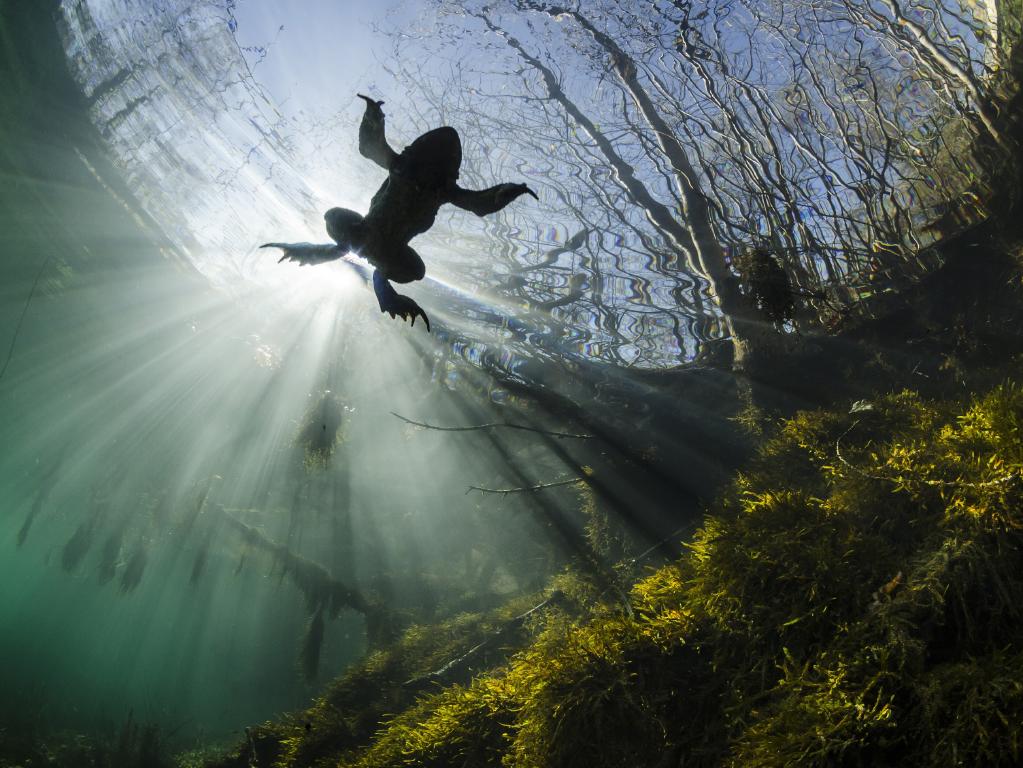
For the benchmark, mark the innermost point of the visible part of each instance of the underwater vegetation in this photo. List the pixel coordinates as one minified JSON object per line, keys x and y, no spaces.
{"x":133,"y":569}
{"x":767,"y":284}
{"x":321,"y":431}
{"x":312,"y":642}
{"x":134,"y":745}
{"x":41,"y":497}
{"x":78,"y":545}
{"x":107,"y":567}
{"x":855,"y":597}
{"x":199,"y":561}
{"x":325,"y":596}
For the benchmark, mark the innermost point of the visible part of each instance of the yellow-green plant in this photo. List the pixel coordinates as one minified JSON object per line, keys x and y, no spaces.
{"x":854,"y":598}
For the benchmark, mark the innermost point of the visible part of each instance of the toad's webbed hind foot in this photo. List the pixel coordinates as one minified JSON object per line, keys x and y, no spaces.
{"x":395,"y":304}
{"x":405,"y":308}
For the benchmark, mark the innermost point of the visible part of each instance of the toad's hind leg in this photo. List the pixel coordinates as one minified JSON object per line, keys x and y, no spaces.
{"x":405,"y":268}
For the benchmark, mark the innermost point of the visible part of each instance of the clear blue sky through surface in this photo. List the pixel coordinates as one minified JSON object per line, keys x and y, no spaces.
{"x":311,"y":55}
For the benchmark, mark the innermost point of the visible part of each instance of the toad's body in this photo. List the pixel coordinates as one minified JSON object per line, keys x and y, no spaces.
{"x":420,"y":180}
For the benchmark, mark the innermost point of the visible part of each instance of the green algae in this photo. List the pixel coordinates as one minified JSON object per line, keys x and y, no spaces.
{"x":853,"y":598}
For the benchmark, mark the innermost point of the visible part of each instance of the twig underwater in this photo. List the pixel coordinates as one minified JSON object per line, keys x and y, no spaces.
{"x":494,"y":425}
{"x":526,"y":488}
{"x":24,"y":311}
{"x":452,"y":668}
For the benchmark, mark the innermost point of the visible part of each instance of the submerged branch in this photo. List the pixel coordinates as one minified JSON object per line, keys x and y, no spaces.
{"x":21,"y":318}
{"x":526,"y":488}
{"x":461,"y":663}
{"x":316,"y":583}
{"x":493,"y":425}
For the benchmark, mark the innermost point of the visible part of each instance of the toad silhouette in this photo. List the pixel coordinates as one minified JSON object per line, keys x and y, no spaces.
{"x":419,"y":181}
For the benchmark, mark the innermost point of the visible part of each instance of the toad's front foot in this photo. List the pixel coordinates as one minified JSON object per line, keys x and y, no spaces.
{"x":505,"y":193}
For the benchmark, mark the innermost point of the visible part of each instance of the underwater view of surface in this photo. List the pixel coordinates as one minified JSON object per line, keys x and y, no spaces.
{"x":689,"y":433}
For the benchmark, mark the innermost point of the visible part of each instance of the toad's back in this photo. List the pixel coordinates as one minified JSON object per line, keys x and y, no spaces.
{"x":421,"y":179}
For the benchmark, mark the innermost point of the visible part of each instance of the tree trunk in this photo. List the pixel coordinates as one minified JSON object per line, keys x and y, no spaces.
{"x":748,"y":331}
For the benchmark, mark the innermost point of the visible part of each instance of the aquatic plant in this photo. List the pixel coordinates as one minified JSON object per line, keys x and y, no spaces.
{"x":138,"y":745}
{"x":109,"y":555}
{"x":852,"y":599}
{"x":135,"y":745}
{"x":322,"y":430}
{"x":202,"y":554}
{"x":763,"y":279}
{"x":78,"y":545}
{"x":344,"y":718}
{"x":319,"y":588}
{"x":309,"y":655}
{"x":131,"y":576}
{"x":24,"y":311}
{"x":45,"y":486}
{"x":325,"y":596}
